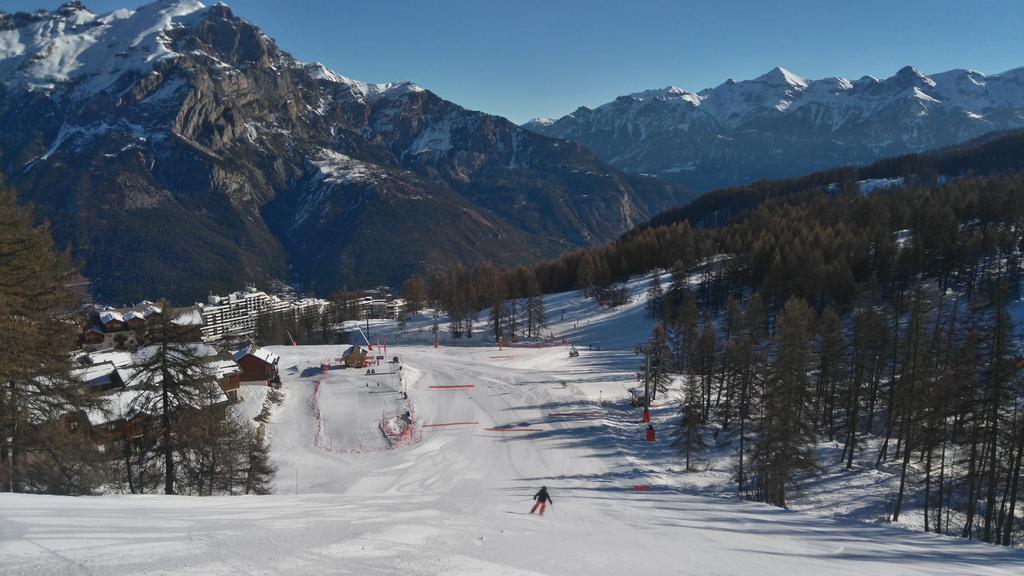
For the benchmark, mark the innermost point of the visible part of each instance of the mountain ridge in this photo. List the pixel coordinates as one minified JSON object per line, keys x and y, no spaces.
{"x":780,"y":124}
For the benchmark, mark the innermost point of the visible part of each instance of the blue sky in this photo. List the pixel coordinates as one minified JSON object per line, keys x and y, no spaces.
{"x":528,"y":58}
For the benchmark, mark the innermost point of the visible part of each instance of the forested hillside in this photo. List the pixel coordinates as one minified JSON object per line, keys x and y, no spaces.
{"x":870,"y":305}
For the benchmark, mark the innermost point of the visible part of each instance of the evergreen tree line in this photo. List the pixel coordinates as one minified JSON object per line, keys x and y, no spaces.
{"x":513,"y":298}
{"x":824,"y":247}
{"x":928,"y":376}
{"x":37,"y":331}
{"x":176,"y":438}
{"x":991,"y":154}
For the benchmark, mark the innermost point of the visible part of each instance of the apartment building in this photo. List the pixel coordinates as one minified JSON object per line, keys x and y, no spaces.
{"x":236,"y":314}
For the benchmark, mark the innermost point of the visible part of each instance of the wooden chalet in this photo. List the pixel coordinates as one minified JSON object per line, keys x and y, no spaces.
{"x":257,"y":364}
{"x":94,"y":336}
{"x":229,"y":377}
{"x":134,"y":321}
{"x":112,"y":321}
{"x":354,"y":357}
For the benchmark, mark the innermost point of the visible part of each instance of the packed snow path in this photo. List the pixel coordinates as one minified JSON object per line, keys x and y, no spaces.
{"x":492,"y":428}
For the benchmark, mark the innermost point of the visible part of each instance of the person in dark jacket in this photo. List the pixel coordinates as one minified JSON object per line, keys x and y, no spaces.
{"x":542,"y":499}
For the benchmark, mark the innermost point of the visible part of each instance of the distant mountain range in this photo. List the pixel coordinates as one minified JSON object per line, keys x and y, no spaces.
{"x":177,"y":149}
{"x":780,"y":124}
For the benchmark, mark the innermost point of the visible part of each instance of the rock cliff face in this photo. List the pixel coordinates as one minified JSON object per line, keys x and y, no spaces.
{"x":176,"y":149}
{"x":781,"y":125}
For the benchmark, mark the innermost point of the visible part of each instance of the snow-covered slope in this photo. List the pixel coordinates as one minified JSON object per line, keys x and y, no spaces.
{"x":491,"y":426}
{"x":41,"y":50}
{"x":780,"y":124}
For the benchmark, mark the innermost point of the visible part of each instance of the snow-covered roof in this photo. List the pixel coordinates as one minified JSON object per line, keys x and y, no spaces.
{"x":128,"y":403}
{"x":119,"y":358}
{"x":108,"y":316}
{"x":224,"y":368}
{"x":127,"y":374}
{"x":350,"y":350}
{"x":195,"y":349}
{"x":190,"y":317}
{"x":121,"y":405}
{"x":150,"y":310}
{"x":97,"y":369}
{"x":132,"y":315}
{"x":255,"y":351}
{"x":95,"y":375}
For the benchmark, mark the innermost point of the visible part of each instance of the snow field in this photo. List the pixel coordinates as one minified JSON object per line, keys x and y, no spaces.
{"x":491,"y":428}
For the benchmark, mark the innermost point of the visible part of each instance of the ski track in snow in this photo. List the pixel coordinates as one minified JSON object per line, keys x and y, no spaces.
{"x":455,"y":501}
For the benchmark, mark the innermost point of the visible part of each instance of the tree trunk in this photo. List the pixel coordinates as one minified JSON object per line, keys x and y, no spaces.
{"x":907,"y":426}
{"x":1014,"y":490}
{"x":165,"y":420}
{"x":927,"y":484}
{"x":972,"y":485}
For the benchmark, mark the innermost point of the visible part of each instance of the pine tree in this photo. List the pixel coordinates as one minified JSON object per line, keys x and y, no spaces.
{"x":731,"y":363}
{"x":36,"y":336}
{"x":537,"y":315}
{"x":706,"y":353}
{"x":499,"y":310}
{"x":998,"y":384}
{"x":586,"y":274}
{"x":868,"y":362}
{"x":415,"y":293}
{"x":536,"y":319}
{"x":785,"y":432}
{"x":913,"y":382}
{"x":659,"y":362}
{"x":174,"y":378}
{"x":655,"y":296}
{"x":259,"y":471}
{"x":831,"y":370}
{"x":679,"y":288}
{"x":692,"y":422}
{"x":749,"y":369}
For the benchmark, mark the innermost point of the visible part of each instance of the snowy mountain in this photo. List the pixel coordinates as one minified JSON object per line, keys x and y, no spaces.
{"x":780,"y":124}
{"x":181,"y":134}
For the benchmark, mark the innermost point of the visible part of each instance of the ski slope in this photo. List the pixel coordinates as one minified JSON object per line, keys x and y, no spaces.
{"x":491,"y":427}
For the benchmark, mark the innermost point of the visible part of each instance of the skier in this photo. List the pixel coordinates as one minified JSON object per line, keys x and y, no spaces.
{"x":542,"y":499}
{"x":650,"y":433}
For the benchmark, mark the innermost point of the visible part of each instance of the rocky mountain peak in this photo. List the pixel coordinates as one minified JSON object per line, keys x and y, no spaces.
{"x":232,"y":40}
{"x":908,"y":76}
{"x":71,"y":8}
{"x":779,"y":76}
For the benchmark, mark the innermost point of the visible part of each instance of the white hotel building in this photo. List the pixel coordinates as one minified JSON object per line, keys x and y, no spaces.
{"x":236,"y":313}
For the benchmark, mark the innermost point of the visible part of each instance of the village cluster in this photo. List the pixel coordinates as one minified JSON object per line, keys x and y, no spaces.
{"x":112,"y":350}
{"x":117,"y":380}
